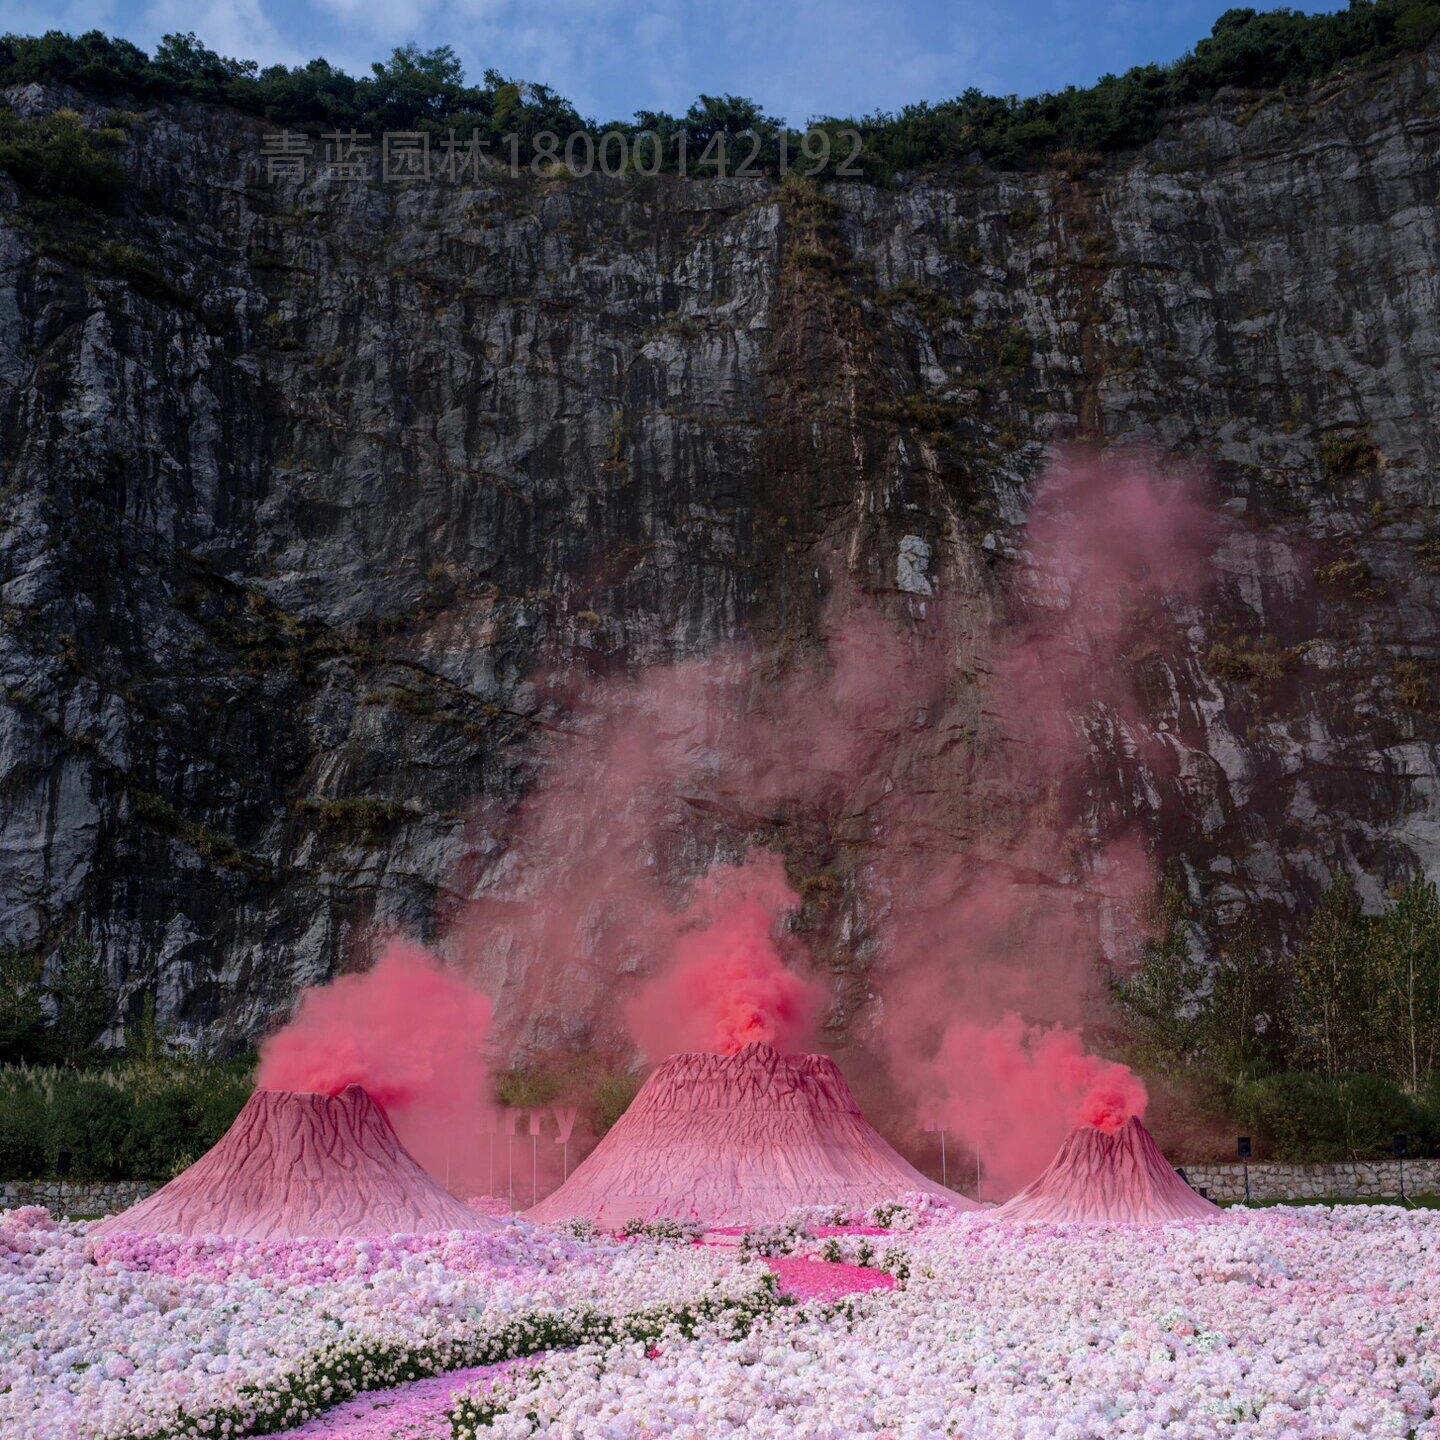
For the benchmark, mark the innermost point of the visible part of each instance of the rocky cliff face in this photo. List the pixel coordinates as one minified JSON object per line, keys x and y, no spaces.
{"x":304,"y":482}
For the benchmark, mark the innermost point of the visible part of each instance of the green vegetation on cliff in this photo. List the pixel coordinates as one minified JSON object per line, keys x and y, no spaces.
{"x":57,"y":156}
{"x":1265,"y":51}
{"x":1246,"y":49}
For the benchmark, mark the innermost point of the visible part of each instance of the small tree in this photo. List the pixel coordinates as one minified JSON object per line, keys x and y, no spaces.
{"x":22,"y":1021}
{"x":1331,"y":984}
{"x":1406,"y":965}
{"x":80,"y":992}
{"x":415,"y":84}
{"x":1162,"y":997}
{"x":1241,"y":1012}
{"x":148,"y":1043}
{"x":196,"y":68}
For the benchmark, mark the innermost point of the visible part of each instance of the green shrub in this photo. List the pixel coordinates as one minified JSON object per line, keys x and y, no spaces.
{"x":1348,"y":576}
{"x":55,"y":157}
{"x":1412,"y":684}
{"x":356,"y":818}
{"x":613,"y":1094}
{"x":1260,"y":662}
{"x":935,"y":417}
{"x":933,"y":305}
{"x":1294,"y":1114}
{"x":139,"y":1121}
{"x":143,"y":274}
{"x":159,"y":814}
{"x":23,"y":1116}
{"x":1428,"y":1119}
{"x":161,"y":1135}
{"x":1304,"y":1117}
{"x":89,"y":1122}
{"x":522,"y":1089}
{"x":1344,"y":455}
{"x":1013,"y":351}
{"x":1373,"y":1111}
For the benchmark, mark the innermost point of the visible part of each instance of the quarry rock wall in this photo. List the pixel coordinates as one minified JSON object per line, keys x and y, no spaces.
{"x":302,"y":484}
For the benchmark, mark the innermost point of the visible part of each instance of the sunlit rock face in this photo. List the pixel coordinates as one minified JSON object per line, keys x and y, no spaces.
{"x":285,"y":540}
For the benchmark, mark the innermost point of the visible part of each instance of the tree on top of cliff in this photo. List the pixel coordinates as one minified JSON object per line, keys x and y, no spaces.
{"x":1246,"y":48}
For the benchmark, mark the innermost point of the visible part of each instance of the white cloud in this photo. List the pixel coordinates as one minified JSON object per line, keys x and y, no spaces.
{"x":34,"y":17}
{"x":241,"y":29}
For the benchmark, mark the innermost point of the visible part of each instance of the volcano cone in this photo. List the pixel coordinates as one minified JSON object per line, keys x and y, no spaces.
{"x":737,"y":1140}
{"x":1101,"y":1178}
{"x":295,"y":1164}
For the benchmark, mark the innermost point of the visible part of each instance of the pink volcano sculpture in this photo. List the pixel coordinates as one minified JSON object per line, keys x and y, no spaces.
{"x":1099,"y":1178}
{"x":737,"y":1140}
{"x":295,"y":1164}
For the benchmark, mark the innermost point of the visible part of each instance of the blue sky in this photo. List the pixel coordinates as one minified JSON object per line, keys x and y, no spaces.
{"x":611,"y":57}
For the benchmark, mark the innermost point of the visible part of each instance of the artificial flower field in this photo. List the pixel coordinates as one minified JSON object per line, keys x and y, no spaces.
{"x":905,"y":1323}
{"x":135,"y":1336}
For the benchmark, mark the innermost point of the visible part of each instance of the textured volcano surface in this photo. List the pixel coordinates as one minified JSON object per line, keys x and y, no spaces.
{"x":737,"y":1140}
{"x":296,"y":1165}
{"x":1098,"y":1178}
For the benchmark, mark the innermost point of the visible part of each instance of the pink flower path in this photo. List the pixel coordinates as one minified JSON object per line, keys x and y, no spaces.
{"x":417,"y":1411}
{"x":408,"y":1412}
{"x":822,"y":1280}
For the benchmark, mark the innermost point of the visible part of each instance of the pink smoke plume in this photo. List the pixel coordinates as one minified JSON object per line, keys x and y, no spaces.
{"x":1032,"y":900}
{"x":727,"y":983}
{"x":656,"y":775}
{"x":935,"y":756}
{"x":1014,"y":1091}
{"x":413,"y":1034}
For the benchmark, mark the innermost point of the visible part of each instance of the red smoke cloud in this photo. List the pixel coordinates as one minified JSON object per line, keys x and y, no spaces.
{"x":413,"y":1034}
{"x":665,"y":774}
{"x":1046,"y":883}
{"x":727,"y":983}
{"x":1111,"y":1102}
{"x":937,"y":753}
{"x":1014,"y":1091}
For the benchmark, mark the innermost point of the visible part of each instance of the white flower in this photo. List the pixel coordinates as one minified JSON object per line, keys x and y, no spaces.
{"x":1053,"y":1331}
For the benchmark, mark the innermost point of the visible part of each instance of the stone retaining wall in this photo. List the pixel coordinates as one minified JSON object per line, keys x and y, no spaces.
{"x":75,"y":1197}
{"x":1365,"y":1179}
{"x":1362,"y":1179}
